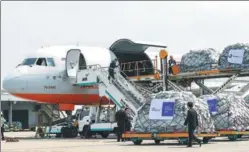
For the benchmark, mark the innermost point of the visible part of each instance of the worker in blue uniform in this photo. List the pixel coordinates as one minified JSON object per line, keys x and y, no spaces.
{"x":172,"y":62}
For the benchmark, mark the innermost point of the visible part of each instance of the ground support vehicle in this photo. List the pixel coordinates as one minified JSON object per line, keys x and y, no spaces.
{"x":182,"y":137}
{"x":233,"y":135}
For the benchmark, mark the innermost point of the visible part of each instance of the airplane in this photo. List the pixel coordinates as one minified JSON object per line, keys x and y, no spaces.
{"x":45,"y":76}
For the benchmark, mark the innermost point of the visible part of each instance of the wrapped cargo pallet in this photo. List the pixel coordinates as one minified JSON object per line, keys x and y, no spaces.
{"x":247,"y":99}
{"x":228,"y":111}
{"x":166,"y":112}
{"x":235,"y":57}
{"x":199,"y":60}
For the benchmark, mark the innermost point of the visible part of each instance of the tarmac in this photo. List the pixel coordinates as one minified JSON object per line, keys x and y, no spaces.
{"x":27,"y":143}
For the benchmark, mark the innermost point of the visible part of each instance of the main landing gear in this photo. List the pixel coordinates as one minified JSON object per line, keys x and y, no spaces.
{"x":69,"y":131}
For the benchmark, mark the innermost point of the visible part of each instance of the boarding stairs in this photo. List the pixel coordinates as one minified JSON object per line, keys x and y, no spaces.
{"x":120,"y":90}
{"x":145,"y":92}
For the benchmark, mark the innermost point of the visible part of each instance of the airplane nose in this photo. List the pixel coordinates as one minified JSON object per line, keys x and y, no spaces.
{"x":13,"y":82}
{"x":9,"y":83}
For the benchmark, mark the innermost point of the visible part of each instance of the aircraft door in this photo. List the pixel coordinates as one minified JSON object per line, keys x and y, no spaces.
{"x":72,"y":62}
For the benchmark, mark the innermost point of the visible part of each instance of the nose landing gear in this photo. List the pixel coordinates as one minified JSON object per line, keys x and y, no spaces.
{"x":69,"y":131}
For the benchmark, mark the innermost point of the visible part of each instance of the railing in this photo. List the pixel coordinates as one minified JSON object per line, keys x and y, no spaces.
{"x":103,"y":70}
{"x":129,"y":67}
{"x":135,"y":66}
{"x":133,"y":99}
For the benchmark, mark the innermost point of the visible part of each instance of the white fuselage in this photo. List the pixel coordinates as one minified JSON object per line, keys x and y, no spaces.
{"x":50,"y":83}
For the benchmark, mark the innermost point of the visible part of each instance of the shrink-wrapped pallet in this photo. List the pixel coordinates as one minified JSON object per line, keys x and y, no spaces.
{"x":228,"y":111}
{"x":247,"y":99}
{"x":235,"y":57}
{"x":199,"y":60}
{"x":166,"y":112}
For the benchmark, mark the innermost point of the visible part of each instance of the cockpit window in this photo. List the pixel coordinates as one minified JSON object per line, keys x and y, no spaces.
{"x":29,"y":61}
{"x":50,"y":62}
{"x":41,"y":62}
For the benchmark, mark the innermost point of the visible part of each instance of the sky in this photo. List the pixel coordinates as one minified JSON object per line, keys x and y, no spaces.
{"x":182,"y":26}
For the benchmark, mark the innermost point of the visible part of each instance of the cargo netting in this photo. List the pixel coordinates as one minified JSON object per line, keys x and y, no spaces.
{"x":229,"y":111}
{"x":199,"y":60}
{"x":143,"y":123}
{"x":235,"y":57}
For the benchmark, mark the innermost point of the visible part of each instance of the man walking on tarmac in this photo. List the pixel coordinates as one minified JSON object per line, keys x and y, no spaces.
{"x":192,"y":122}
{"x":121,"y":119}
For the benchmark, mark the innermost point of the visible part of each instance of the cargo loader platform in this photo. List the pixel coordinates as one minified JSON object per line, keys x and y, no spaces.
{"x":182,"y":137}
{"x":233,"y":135}
{"x":185,"y":79}
{"x":210,"y":74}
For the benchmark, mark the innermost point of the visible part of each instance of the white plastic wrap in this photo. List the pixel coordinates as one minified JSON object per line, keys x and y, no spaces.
{"x":199,"y":60}
{"x":235,"y":57}
{"x":247,"y":99}
{"x":142,"y":122}
{"x":228,"y":111}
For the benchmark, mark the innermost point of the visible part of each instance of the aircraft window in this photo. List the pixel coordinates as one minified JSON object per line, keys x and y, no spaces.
{"x":29,"y":61}
{"x":41,"y":62}
{"x":50,"y":62}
